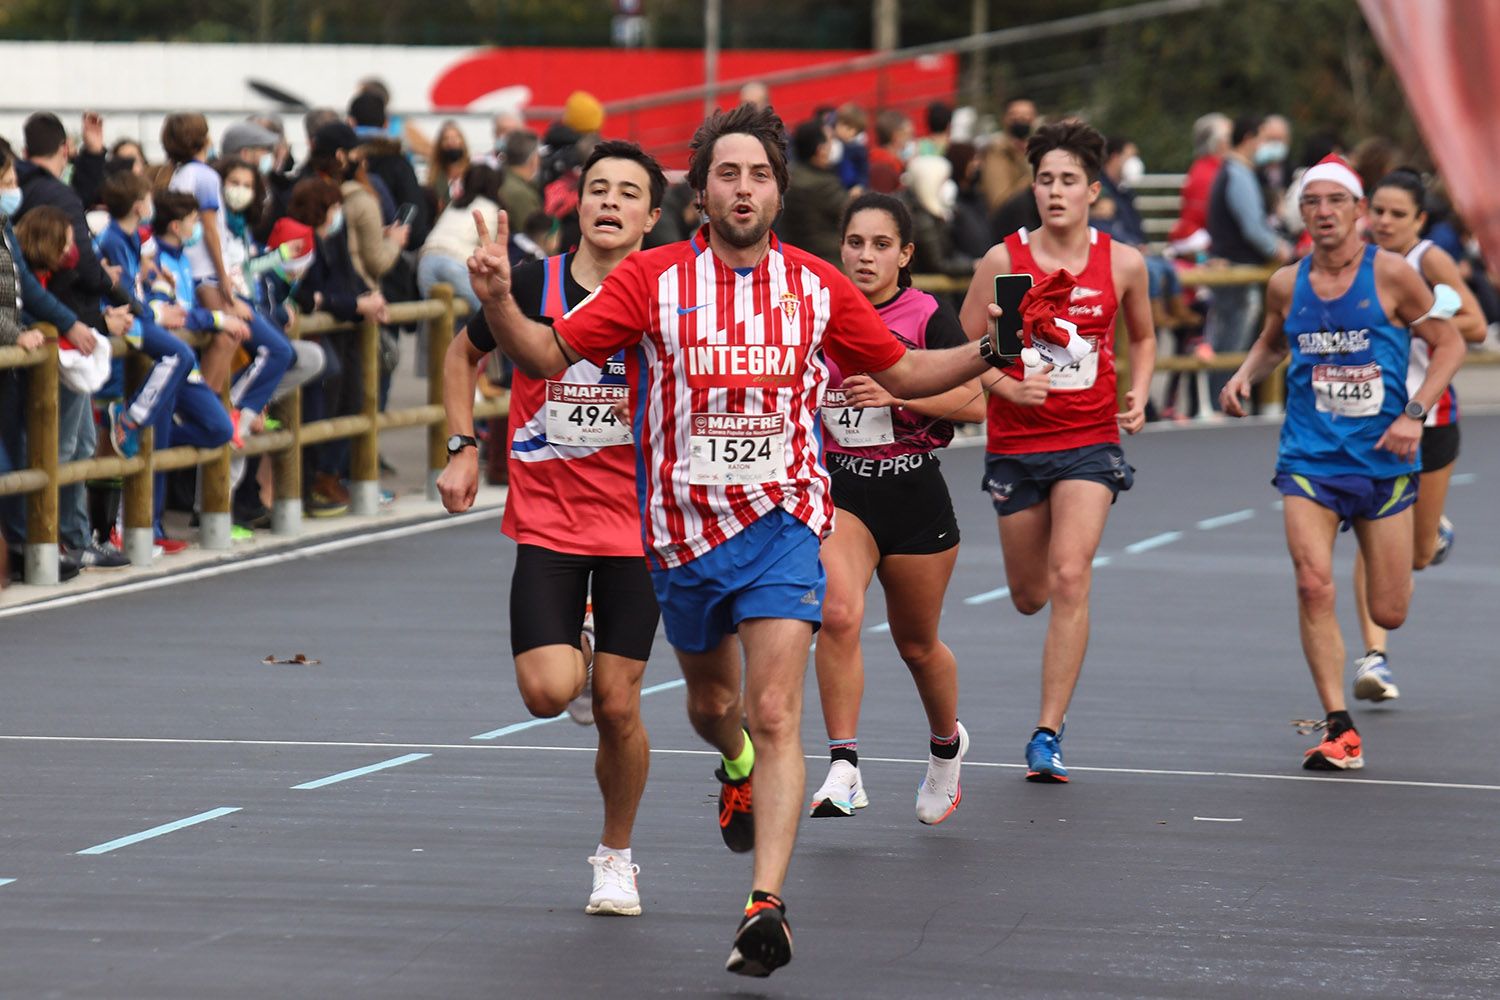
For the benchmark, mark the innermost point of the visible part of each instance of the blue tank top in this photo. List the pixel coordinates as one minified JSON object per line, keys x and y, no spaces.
{"x":1346,"y":382}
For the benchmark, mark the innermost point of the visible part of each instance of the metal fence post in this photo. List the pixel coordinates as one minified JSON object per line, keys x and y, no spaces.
{"x":137,"y":528}
{"x":41,"y":444}
{"x":364,"y":472}
{"x":439,"y":336}
{"x":286,"y":465}
{"x":214,"y":528}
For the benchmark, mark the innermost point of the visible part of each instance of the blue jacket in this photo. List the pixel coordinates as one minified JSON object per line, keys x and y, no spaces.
{"x":172,"y":260}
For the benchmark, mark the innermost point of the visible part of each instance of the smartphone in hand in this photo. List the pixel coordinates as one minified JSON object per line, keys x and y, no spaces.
{"x":1010,"y":289}
{"x":406,"y":214}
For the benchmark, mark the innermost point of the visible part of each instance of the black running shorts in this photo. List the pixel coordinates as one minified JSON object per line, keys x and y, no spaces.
{"x":549,"y":591}
{"x":1015,"y":482}
{"x":904,"y":501}
{"x":1439,"y":447}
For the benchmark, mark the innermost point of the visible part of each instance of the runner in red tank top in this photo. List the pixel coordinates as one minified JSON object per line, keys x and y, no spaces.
{"x":572,"y":510}
{"x":1054,"y":465}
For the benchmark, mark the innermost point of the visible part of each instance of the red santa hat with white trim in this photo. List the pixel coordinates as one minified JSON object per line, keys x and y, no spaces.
{"x":1334,"y":168}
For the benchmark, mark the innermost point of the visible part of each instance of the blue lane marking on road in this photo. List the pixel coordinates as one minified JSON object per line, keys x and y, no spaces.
{"x":517,"y":727}
{"x":6,"y":881}
{"x":157,"y":831}
{"x":360,"y":771}
{"x":1154,"y":542}
{"x":1210,"y":523}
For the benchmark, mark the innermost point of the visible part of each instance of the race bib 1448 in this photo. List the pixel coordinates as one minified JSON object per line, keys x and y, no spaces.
{"x":1348,"y":390}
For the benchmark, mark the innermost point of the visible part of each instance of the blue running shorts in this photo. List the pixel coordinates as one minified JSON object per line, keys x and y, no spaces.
{"x":769,"y":570}
{"x":1351,"y":497}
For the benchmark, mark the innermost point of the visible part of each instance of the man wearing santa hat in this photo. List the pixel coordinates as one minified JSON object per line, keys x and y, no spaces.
{"x":1349,"y":444}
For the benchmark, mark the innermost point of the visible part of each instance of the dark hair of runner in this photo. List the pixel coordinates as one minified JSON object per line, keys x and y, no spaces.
{"x":759,"y":123}
{"x":620,"y":149}
{"x":896,"y":209}
{"x":1405,"y":179}
{"x":1083,"y":141}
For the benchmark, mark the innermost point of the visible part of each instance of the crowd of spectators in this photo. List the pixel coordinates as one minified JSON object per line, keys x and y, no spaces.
{"x":230,"y":239}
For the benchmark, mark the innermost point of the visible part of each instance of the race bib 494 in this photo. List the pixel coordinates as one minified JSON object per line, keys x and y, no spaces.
{"x":583,"y":415}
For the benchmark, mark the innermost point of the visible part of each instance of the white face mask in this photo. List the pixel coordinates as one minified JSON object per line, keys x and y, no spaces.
{"x":908,"y":150}
{"x":238,"y":196}
{"x":835,"y":151}
{"x":1132,"y":170}
{"x":948,"y":193}
{"x":267,"y":163}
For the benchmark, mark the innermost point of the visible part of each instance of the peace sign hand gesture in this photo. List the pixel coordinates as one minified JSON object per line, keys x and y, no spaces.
{"x":489,"y":264}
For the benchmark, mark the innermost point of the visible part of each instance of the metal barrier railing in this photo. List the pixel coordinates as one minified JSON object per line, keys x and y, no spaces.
{"x":41,"y":480}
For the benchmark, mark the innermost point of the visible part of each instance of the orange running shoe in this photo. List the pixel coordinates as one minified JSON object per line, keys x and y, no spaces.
{"x":736,"y":820}
{"x":1336,"y":753}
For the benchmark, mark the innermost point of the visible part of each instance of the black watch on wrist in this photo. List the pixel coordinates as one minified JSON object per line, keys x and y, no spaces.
{"x":1415,"y":410}
{"x":459,"y":442}
{"x":991,"y":356}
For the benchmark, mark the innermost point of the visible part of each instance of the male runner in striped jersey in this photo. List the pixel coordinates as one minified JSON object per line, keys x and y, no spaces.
{"x":572,"y":511}
{"x":723,"y":334}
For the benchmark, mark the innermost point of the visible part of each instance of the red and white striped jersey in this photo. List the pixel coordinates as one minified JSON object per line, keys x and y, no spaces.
{"x":727,"y":378}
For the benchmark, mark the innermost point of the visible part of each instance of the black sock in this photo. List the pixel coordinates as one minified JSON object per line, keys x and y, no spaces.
{"x":844,"y":750}
{"x":945,"y":749}
{"x":1043,"y":729}
{"x":1338,"y":722}
{"x":758,"y":896}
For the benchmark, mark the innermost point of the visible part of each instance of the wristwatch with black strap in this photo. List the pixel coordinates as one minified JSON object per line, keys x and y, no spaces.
{"x":458,"y":442}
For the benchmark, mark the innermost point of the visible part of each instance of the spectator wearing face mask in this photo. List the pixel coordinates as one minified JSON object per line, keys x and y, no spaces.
{"x":1004,"y":171}
{"x":450,"y":158}
{"x":814,"y":199}
{"x":1270,"y":159}
{"x":931,"y":194}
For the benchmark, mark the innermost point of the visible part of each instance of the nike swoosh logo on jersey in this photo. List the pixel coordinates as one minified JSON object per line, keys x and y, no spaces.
{"x":685,"y":310}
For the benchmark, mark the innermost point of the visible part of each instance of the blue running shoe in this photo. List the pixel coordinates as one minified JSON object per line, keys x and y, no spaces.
{"x":127,"y":440}
{"x":1373,"y":680}
{"x":1445,"y":541}
{"x":1044,"y":758}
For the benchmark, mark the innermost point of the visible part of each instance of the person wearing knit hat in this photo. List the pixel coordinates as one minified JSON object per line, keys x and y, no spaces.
{"x":1346,"y":315}
{"x":583,"y":113}
{"x":250,"y":142}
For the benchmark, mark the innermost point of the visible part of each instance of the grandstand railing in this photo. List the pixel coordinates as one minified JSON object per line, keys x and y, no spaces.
{"x":39,"y":482}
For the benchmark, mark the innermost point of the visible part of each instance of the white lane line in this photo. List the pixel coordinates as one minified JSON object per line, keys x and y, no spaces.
{"x":6,"y":881}
{"x":988,"y":596}
{"x":1154,"y":542}
{"x":1218,"y":819}
{"x":255,"y":562}
{"x":157,"y":831}
{"x":517,"y":727}
{"x":360,"y":772}
{"x":1462,"y":479}
{"x":1346,"y":781}
{"x":882,"y":627}
{"x":1210,"y":523}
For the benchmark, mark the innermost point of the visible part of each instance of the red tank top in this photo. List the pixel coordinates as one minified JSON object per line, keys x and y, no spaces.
{"x":1080,"y":409}
{"x":566,"y":494}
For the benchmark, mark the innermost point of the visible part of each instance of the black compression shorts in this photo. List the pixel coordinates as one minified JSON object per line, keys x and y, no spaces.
{"x":1439,"y":447}
{"x":904,"y":501}
{"x":549,"y":590}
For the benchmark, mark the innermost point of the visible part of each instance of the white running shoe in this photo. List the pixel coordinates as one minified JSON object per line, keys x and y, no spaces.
{"x":615,"y":893}
{"x":842,"y":791}
{"x":1373,"y":680}
{"x":940,"y":792}
{"x":581,"y":708}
